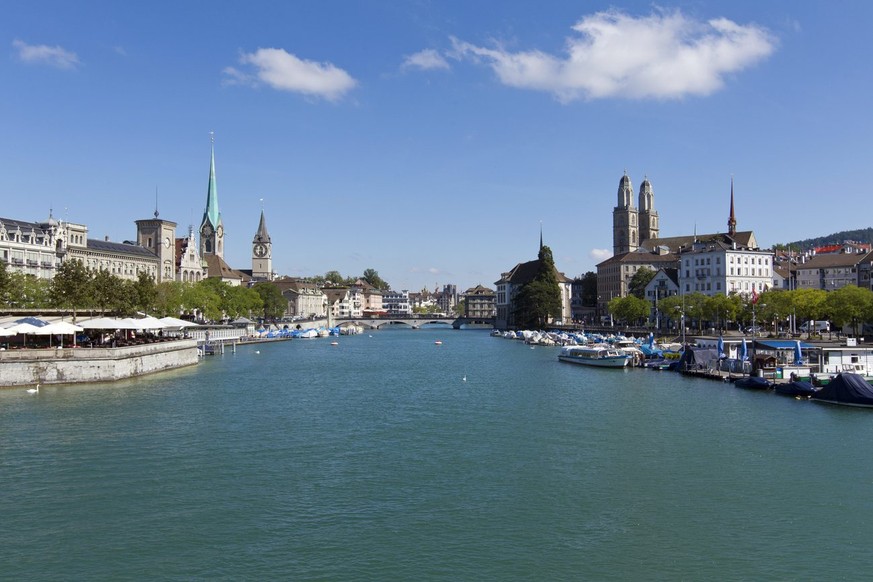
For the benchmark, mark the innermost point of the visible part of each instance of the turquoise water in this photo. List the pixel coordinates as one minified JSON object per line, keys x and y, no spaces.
{"x":374,"y":460}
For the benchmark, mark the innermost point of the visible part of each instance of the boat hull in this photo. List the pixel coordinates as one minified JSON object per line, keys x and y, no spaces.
{"x":604,"y":362}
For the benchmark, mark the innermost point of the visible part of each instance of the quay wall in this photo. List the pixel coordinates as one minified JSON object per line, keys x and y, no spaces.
{"x":76,"y":365}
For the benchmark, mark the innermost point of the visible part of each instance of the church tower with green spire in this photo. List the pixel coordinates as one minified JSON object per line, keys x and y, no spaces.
{"x":262,"y":253}
{"x":212,"y":228}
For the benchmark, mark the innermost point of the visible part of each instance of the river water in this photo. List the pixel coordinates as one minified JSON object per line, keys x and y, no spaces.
{"x":375,"y":460}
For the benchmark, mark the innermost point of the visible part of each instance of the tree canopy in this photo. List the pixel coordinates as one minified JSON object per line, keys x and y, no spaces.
{"x":637,"y":284}
{"x":539,"y":300}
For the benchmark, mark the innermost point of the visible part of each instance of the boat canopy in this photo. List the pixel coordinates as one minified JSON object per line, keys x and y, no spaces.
{"x":696,"y":358}
{"x":851,"y":389}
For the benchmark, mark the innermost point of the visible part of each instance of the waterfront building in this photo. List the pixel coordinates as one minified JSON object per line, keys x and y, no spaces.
{"x":719,"y":266}
{"x":159,"y":237}
{"x":511,"y":282}
{"x":304,"y":299}
{"x":396,"y":302}
{"x":262,"y":253}
{"x":664,"y":284}
{"x":32,"y":248}
{"x":834,"y":271}
{"x":190,"y":268}
{"x":480,"y":301}
{"x":343,"y":301}
{"x":446,"y":299}
{"x":124,"y":260}
{"x":614,"y":274}
{"x":369,"y":297}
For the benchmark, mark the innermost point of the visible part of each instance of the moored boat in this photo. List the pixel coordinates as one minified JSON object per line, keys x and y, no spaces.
{"x":753,"y":383}
{"x":797,"y":388}
{"x":600,"y":356}
{"x":847,"y":390}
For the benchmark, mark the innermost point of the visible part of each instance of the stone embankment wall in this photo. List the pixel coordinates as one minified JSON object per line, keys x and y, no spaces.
{"x":76,"y":365}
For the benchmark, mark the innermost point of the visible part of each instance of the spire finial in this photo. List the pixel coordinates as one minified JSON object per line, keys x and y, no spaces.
{"x":212,"y":137}
{"x":156,"y":201}
{"x":732,"y":219}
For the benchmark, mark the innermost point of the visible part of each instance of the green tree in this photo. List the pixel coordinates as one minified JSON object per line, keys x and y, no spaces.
{"x":203,"y":299}
{"x":719,"y":309}
{"x":110,"y":293}
{"x":372,"y":277}
{"x":774,"y":306}
{"x":460,"y":307}
{"x":848,"y":305}
{"x":71,"y":286}
{"x":637,"y":284}
{"x":168,"y":298}
{"x":539,"y":300}
{"x":241,"y":301}
{"x":5,"y":284}
{"x":275,"y":304}
{"x":28,"y":292}
{"x":670,"y":307}
{"x":630,"y":310}
{"x":695,"y":308}
{"x":810,"y":304}
{"x":334,"y":278}
{"x":145,"y":292}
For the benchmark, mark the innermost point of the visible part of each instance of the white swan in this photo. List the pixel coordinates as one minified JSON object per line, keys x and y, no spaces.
{"x":33,"y":390}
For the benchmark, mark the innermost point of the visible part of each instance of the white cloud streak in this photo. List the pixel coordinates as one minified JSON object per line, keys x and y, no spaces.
{"x":53,"y":56}
{"x":284,"y":71}
{"x":599,"y":255}
{"x":662,"y":56}
{"x":425,"y":60}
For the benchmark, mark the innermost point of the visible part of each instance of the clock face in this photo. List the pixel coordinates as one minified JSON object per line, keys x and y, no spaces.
{"x":260,"y":250}
{"x":167,"y":242}
{"x":207,"y":230}
{"x":220,"y":231}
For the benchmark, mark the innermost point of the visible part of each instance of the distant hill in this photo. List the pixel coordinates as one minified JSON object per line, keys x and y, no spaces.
{"x":863,"y":235}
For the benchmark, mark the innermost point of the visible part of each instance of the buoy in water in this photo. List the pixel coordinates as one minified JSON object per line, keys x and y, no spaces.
{"x":438,"y":342}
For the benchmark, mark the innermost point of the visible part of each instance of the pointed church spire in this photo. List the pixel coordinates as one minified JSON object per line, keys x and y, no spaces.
{"x":732,"y":220}
{"x":212,"y":214}
{"x":262,"y":235}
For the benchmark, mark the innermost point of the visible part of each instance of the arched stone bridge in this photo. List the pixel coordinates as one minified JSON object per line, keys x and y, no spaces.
{"x":414,"y":322}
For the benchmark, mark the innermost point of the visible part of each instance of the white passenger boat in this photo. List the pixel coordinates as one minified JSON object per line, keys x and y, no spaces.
{"x":602,"y":356}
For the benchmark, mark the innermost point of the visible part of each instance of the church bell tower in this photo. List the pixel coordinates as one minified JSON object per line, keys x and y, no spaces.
{"x":625,"y":229}
{"x":262,"y":253}
{"x":212,"y":227}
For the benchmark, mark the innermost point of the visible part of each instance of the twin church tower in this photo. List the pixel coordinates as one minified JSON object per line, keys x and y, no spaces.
{"x":630,"y":225}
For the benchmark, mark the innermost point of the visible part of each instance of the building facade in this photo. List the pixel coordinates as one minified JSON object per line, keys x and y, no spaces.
{"x":480,"y":302}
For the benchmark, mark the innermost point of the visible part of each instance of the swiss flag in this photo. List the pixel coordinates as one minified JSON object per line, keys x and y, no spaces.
{"x":754,"y":296}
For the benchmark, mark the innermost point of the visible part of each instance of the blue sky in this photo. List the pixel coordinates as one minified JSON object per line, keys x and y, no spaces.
{"x":429,"y":140}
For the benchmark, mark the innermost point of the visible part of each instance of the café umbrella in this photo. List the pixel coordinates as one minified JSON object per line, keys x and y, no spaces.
{"x":60,"y":328}
{"x":23,"y":329}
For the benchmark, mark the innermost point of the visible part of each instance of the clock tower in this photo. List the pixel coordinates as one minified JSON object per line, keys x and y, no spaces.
{"x":262,"y":253}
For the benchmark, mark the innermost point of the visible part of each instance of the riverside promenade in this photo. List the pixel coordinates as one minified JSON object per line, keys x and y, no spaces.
{"x":28,"y":366}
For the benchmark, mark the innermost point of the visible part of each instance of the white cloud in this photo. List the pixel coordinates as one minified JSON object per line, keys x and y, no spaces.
{"x":662,"y":56}
{"x":599,"y":255}
{"x":41,"y":54}
{"x":285,"y":72}
{"x":425,"y":60}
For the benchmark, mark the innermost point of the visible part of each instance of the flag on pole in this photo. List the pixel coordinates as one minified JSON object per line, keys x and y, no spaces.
{"x":754,"y":296}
